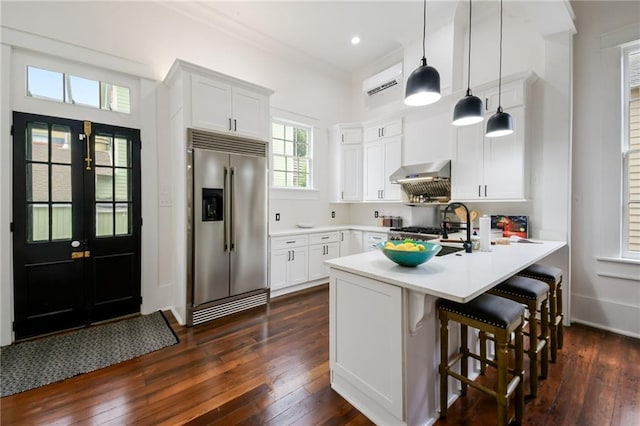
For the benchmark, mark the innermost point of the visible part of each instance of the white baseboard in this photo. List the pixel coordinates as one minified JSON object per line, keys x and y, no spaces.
{"x":286,"y":290}
{"x":607,"y":315}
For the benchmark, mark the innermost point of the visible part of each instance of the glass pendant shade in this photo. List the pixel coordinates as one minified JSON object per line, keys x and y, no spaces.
{"x":468,"y":110}
{"x":423,"y":86}
{"x":499,"y":124}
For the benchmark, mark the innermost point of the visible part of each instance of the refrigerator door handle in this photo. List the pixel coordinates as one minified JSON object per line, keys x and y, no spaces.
{"x":224,"y":191}
{"x":232,"y":233}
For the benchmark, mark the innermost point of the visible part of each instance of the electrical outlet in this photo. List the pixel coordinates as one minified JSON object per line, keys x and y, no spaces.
{"x":375,"y":214}
{"x":333,"y":215}
{"x":277,"y":217}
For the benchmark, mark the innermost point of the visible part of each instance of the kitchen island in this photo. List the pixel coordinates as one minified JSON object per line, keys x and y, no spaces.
{"x":384,"y":340}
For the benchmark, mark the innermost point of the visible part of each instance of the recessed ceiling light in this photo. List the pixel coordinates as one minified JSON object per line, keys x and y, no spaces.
{"x":355,"y":40}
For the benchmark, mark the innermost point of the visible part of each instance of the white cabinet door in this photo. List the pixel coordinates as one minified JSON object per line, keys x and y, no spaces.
{"x":467,"y":164}
{"x":278,"y":268}
{"x":351,"y":173}
{"x":373,"y":171}
{"x":298,"y":266}
{"x":317,"y":255}
{"x":383,"y":130}
{"x":392,"y":158}
{"x":351,"y":135}
{"x":356,"y":244}
{"x":211,"y":104}
{"x":504,"y":162}
{"x":372,"y":239}
{"x":345,"y":243}
{"x":250,"y":114}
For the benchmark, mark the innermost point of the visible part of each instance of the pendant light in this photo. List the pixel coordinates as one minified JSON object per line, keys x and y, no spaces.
{"x":468,"y":110}
{"x":500,"y":123}
{"x":423,"y":85}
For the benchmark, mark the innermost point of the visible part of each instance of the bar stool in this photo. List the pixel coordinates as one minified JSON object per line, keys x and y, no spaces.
{"x":534,"y":295}
{"x":489,"y":314}
{"x":552,"y":276}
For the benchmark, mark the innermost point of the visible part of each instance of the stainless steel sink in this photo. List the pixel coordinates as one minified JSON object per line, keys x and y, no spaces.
{"x":448,"y":250}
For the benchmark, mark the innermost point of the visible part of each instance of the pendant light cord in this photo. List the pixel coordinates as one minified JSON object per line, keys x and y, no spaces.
{"x":500,"y":74}
{"x":424,"y":28}
{"x":469,"y":64}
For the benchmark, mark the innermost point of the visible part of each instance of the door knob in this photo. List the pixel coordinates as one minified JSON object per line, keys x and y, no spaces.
{"x":75,"y":244}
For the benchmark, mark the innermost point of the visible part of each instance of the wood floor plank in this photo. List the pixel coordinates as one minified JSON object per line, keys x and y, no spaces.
{"x":270,"y":365}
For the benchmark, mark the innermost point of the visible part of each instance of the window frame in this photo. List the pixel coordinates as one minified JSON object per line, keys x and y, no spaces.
{"x":310,"y":157}
{"x":626,"y":150}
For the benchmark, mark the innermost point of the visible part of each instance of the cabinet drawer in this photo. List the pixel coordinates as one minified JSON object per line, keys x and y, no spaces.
{"x":324,"y":238}
{"x":289,"y":242}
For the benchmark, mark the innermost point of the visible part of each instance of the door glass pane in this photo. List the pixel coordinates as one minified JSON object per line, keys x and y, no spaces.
{"x":103,"y":150}
{"x":104,"y":184}
{"x":104,"y":220}
{"x":37,"y":182}
{"x":61,"y":222}
{"x":61,"y":183}
{"x":60,"y":144}
{"x":123,"y":219}
{"x":45,"y":84}
{"x":37,"y":142}
{"x":123,"y":187}
{"x":37,"y":222}
{"x":122,"y":152}
{"x":83,"y":91}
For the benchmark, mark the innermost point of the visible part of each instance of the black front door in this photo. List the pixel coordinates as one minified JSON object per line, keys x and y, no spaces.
{"x":77,"y":218}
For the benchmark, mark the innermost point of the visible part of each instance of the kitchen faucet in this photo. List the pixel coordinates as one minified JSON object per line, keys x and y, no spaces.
{"x":466,"y":244}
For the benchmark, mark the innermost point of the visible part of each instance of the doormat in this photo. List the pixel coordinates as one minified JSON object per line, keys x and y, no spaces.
{"x":36,"y":363}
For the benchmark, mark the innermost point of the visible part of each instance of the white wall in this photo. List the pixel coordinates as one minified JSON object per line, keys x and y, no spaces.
{"x":300,"y":86}
{"x":599,"y":298}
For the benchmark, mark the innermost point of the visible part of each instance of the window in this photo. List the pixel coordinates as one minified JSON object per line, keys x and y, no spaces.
{"x":631,"y":153}
{"x":291,"y":160}
{"x":60,"y":87}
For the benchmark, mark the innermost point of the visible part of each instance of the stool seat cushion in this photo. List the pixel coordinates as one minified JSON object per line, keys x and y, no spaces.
{"x":494,"y":310}
{"x":527,"y":288}
{"x":543,"y":272}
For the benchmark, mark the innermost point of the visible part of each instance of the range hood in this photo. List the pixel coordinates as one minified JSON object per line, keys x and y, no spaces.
{"x":426,"y":182}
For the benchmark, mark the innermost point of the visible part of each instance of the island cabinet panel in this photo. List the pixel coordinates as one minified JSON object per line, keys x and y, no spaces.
{"x":366,"y":356}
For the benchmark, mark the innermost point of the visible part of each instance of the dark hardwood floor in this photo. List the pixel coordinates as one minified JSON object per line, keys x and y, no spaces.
{"x":270,"y":366}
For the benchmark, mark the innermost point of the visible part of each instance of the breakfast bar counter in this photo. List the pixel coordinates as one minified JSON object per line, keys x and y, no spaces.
{"x":384,"y":343}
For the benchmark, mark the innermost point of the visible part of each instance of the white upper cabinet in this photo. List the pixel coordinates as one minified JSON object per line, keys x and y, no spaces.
{"x":381,"y":159}
{"x":219,"y":103}
{"x":225,"y":108}
{"x":351,"y":173}
{"x":492,"y":169}
{"x":350,"y":135}
{"x":383,"y":130}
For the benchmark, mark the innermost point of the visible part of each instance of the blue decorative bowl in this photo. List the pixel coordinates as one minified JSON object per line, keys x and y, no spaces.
{"x":410,"y":258}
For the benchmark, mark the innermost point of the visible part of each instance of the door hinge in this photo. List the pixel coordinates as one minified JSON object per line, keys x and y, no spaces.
{"x":12,"y":227}
{"x":141,"y":221}
{"x":12,"y":130}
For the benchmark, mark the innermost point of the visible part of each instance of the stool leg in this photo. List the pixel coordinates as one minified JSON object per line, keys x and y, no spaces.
{"x":483,"y":351}
{"x":444,"y":355}
{"x":544,"y":332}
{"x":519,"y":370}
{"x":553,"y":331}
{"x":533,"y":349}
{"x":502,"y":358}
{"x":560,"y":329}
{"x":464,"y":362}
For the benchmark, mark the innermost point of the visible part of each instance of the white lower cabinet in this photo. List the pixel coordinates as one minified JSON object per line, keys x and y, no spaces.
{"x":322,"y":247}
{"x":371,"y":240}
{"x":350,"y":242}
{"x":289,"y":261}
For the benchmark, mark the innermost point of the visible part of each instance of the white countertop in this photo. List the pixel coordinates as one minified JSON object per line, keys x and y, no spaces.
{"x":455,"y":277}
{"x":299,"y":231}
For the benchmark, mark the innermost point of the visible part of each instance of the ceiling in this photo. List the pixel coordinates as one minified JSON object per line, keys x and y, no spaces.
{"x":323,"y":29}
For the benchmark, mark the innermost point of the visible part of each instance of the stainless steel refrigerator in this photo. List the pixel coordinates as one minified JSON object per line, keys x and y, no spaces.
{"x":227,"y":207}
